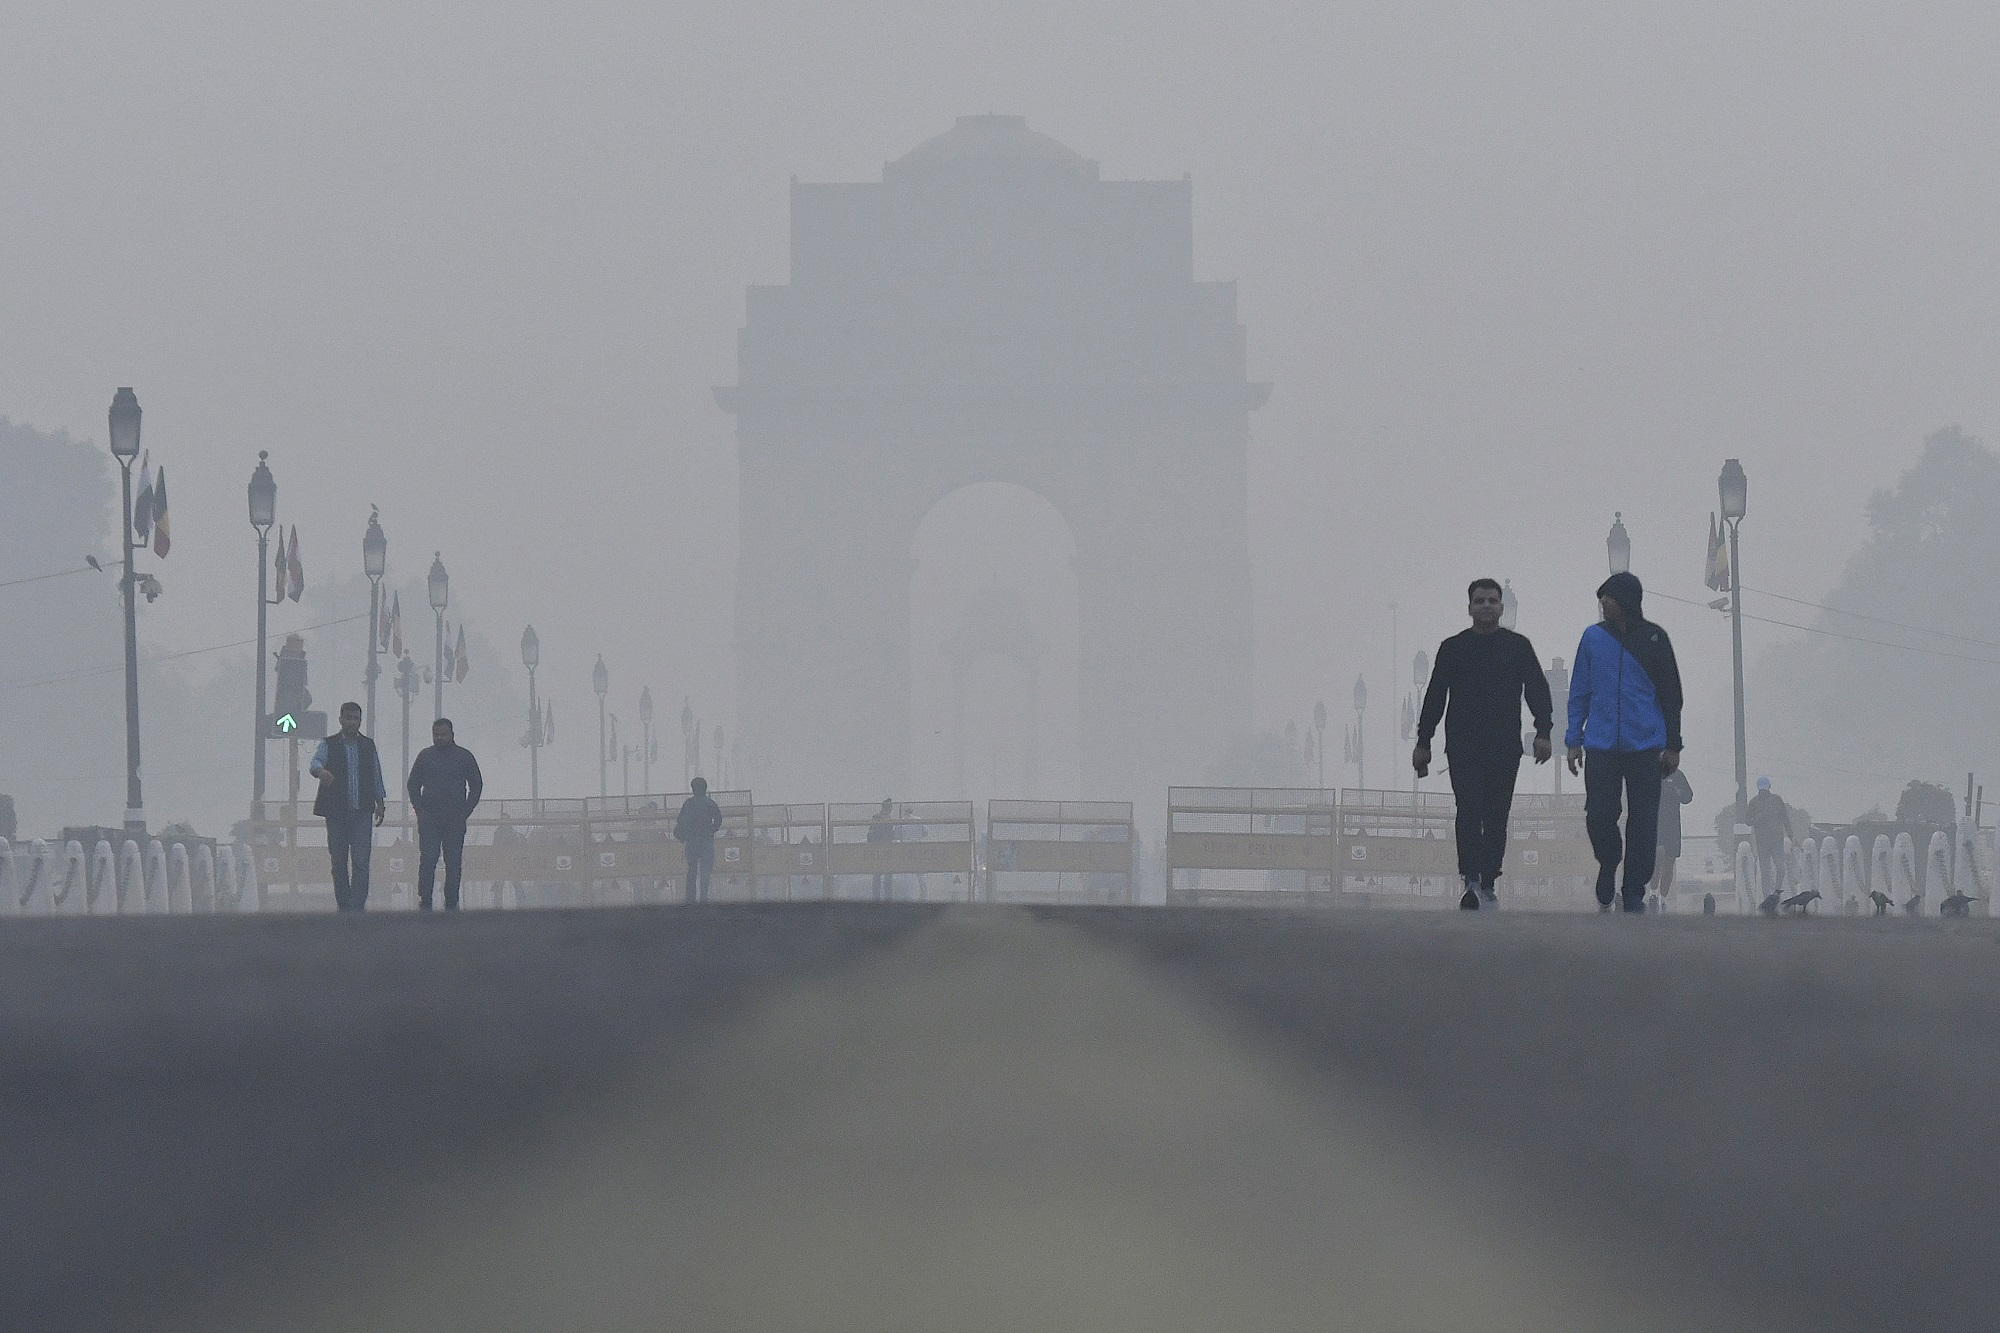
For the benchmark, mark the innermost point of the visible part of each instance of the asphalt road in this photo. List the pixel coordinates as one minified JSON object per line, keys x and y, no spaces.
{"x":888,"y":1118}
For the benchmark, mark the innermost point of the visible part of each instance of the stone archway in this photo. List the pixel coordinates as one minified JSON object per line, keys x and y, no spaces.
{"x":991,"y":310}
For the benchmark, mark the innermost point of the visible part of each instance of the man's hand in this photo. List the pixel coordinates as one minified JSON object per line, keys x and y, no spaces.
{"x":1575,"y":759}
{"x":325,"y":776}
{"x":381,"y":812}
{"x":1669,"y":761}
{"x":1420,"y":759}
{"x":1543,"y":749}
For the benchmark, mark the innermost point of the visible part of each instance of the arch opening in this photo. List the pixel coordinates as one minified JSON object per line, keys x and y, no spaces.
{"x":994,"y":707}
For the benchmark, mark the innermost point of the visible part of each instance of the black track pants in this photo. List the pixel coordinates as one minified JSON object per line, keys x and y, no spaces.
{"x":1634,"y":777}
{"x":1482,"y":785}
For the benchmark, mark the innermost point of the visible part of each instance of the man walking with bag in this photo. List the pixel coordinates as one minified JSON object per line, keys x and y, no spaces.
{"x":1482,"y":674}
{"x":444,"y":790}
{"x":1624,"y":735}
{"x":350,"y":791}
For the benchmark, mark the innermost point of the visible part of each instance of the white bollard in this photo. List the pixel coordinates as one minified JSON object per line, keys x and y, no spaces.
{"x":41,"y":869}
{"x":103,"y":879}
{"x":1966,"y":872}
{"x":249,"y":898}
{"x":1878,"y":869}
{"x":1828,"y":879}
{"x":1937,"y":874}
{"x":131,"y":878}
{"x":1903,"y":872}
{"x":201,"y":898}
{"x":1853,"y":875}
{"x":228,"y":893}
{"x":156,"y":878}
{"x":1747,"y":873}
{"x":180,"y":894}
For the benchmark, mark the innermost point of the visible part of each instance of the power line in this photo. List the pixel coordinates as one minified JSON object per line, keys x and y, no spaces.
{"x":60,"y":573}
{"x":1836,"y":634}
{"x":1914,"y":629}
{"x":168,"y":657}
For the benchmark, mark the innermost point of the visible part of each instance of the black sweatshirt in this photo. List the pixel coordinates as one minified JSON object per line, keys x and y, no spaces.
{"x":445,"y":783}
{"x":1484,"y":676}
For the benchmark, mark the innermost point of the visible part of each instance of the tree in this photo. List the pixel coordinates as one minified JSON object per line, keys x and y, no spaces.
{"x":1926,"y":803}
{"x":1921,"y":587}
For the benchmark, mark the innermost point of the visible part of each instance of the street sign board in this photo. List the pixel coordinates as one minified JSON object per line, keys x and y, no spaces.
{"x":303,"y":725}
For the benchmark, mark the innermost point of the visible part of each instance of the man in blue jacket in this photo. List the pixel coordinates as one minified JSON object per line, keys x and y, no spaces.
{"x":1624,"y":734}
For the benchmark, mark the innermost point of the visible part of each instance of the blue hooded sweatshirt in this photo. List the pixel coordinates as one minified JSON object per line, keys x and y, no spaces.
{"x":1625,"y":687}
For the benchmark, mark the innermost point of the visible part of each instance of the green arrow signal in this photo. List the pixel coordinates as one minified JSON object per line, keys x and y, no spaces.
{"x":288,"y":723}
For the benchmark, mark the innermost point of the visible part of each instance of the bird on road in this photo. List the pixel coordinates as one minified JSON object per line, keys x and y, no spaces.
{"x":1883,"y":902}
{"x":1956,"y":904}
{"x":1799,"y":902}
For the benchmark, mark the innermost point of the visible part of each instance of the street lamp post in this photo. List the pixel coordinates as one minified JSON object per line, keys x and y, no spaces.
{"x":1618,"y":546}
{"x":600,"y":680}
{"x":440,"y":592}
{"x":689,"y":742}
{"x":125,"y":448}
{"x":1558,"y":678}
{"x":409,"y":681}
{"x":374,"y":561}
{"x":1319,"y":726}
{"x":1360,"y":750}
{"x":646,"y":739}
{"x":1734,"y":489}
{"x":263,"y":513}
{"x":531,"y":657}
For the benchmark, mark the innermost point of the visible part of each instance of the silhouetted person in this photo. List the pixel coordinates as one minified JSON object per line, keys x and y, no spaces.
{"x":1883,"y":902}
{"x":695,"y":828}
{"x":350,"y":792}
{"x":1625,"y":714}
{"x":1675,"y":792}
{"x":1770,"y":821}
{"x":882,"y":828}
{"x":444,"y":790}
{"x":1799,"y":902}
{"x":1708,"y":904}
{"x":1476,"y":689}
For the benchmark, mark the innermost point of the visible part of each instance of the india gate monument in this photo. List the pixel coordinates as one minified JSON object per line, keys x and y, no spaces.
{"x":990,"y":310}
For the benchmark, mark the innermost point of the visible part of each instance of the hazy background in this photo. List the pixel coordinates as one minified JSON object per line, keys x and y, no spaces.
{"x":1510,"y":268}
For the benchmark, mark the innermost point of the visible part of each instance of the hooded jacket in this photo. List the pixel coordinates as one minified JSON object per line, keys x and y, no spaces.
{"x":1625,"y":686}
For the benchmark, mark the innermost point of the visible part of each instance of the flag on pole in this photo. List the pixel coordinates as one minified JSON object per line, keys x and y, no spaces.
{"x":548,"y":724}
{"x":294,"y":570}
{"x":382,"y":627}
{"x":459,"y":659}
{"x":450,"y":661}
{"x":396,"y":624}
{"x":162,"y":542}
{"x":1718,"y":557}
{"x":280,"y":572}
{"x":142,"y":504}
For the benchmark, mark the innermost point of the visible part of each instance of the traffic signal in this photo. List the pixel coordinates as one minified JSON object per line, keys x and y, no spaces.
{"x":292,"y":696}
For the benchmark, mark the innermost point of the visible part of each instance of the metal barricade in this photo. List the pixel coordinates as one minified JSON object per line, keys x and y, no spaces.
{"x":1057,"y":851}
{"x":788,"y":852}
{"x":1249,"y":845}
{"x":910,"y":849}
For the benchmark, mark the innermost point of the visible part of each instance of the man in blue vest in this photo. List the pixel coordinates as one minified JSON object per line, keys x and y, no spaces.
{"x":1625,"y":735}
{"x":350,"y":790}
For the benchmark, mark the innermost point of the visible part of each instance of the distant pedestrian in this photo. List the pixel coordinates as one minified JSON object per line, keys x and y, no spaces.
{"x":1770,"y":821}
{"x":695,"y":828}
{"x":445,"y":785}
{"x":350,"y":791}
{"x":882,"y":829}
{"x":1476,"y":690}
{"x":1625,"y":714}
{"x":1675,"y":792}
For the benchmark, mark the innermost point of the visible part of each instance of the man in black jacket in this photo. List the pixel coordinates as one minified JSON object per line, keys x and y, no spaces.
{"x":350,"y":790}
{"x":444,"y":788}
{"x":1483,"y":672}
{"x":695,"y":827}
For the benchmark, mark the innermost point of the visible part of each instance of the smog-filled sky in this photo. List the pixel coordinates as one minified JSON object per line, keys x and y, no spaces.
{"x":1511,"y":269}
